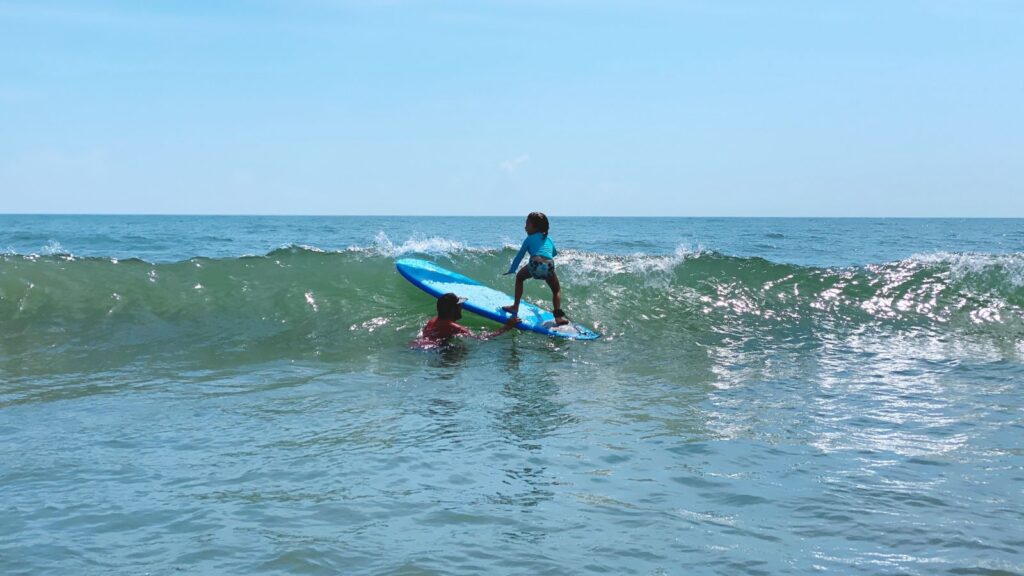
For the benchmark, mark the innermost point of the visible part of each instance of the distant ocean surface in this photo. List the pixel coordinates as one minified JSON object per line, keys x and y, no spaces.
{"x":237,"y":395}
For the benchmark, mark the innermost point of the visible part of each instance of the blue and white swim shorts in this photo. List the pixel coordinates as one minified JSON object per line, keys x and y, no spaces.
{"x":540,"y":267}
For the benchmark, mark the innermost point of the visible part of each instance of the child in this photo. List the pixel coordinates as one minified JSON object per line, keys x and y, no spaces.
{"x":444,"y":325}
{"x":540,"y":266}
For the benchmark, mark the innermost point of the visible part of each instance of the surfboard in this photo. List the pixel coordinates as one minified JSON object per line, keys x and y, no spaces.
{"x":487,"y":302}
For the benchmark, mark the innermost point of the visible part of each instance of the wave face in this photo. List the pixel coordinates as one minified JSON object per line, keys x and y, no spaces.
{"x":302,"y":302}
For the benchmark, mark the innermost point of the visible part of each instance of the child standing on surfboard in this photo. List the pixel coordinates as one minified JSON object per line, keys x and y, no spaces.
{"x":540,"y":266}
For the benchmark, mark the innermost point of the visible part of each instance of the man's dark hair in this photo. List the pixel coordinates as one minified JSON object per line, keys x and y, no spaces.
{"x":448,"y":305}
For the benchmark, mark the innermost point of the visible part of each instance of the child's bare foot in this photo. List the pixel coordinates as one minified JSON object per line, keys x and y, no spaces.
{"x":513,"y":310}
{"x":560,"y":318}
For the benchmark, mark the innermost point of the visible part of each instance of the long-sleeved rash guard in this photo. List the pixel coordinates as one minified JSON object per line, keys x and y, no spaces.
{"x":537,"y":244}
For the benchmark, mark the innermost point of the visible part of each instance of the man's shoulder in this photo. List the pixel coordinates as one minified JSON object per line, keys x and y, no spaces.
{"x":441,"y":328}
{"x":458,"y":328}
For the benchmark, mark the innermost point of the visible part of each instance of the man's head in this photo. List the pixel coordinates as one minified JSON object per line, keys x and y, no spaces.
{"x":449,"y":306}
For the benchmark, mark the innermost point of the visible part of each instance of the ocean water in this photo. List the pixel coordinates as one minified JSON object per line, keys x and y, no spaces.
{"x":237,"y":395}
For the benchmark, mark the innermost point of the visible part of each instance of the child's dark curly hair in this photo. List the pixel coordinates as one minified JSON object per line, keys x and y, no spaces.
{"x":539,"y":221}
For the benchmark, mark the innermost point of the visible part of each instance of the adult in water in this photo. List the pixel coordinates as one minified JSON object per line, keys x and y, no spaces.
{"x":445,"y":326}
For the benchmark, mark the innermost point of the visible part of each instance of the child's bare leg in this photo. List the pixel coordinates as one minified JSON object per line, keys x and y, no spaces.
{"x":556,"y":297}
{"x":520,"y":279}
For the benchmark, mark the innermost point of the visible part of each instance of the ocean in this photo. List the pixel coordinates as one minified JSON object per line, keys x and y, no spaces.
{"x":237,"y":395}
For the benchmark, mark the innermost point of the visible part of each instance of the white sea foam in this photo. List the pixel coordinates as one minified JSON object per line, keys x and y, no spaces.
{"x":434,"y":245}
{"x":589,"y":265}
{"x":53,"y":248}
{"x":964,"y":264}
{"x":370,"y":325}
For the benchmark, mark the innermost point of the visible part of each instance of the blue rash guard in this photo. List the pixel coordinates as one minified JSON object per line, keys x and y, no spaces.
{"x":537,"y":244}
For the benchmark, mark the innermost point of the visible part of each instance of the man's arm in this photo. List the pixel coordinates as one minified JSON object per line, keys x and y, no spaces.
{"x":509,"y":324}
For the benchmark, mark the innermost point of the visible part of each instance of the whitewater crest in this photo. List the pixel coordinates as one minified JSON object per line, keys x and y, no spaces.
{"x":430,"y":245}
{"x":590,"y":267}
{"x":963,"y":265}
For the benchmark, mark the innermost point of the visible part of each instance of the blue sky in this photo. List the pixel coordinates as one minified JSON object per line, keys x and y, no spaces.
{"x":685,"y":108}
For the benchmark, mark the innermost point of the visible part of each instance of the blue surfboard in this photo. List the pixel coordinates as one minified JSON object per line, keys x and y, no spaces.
{"x":487,"y":302}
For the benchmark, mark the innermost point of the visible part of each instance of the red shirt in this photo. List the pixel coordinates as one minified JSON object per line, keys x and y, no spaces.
{"x":440,"y":328}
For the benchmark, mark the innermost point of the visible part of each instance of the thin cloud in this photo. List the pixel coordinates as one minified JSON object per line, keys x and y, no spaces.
{"x":511,"y":166}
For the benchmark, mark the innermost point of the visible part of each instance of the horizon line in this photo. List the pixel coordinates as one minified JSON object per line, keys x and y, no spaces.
{"x":265,"y":215}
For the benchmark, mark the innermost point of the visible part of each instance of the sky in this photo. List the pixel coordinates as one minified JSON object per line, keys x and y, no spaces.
{"x":501,"y":107}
